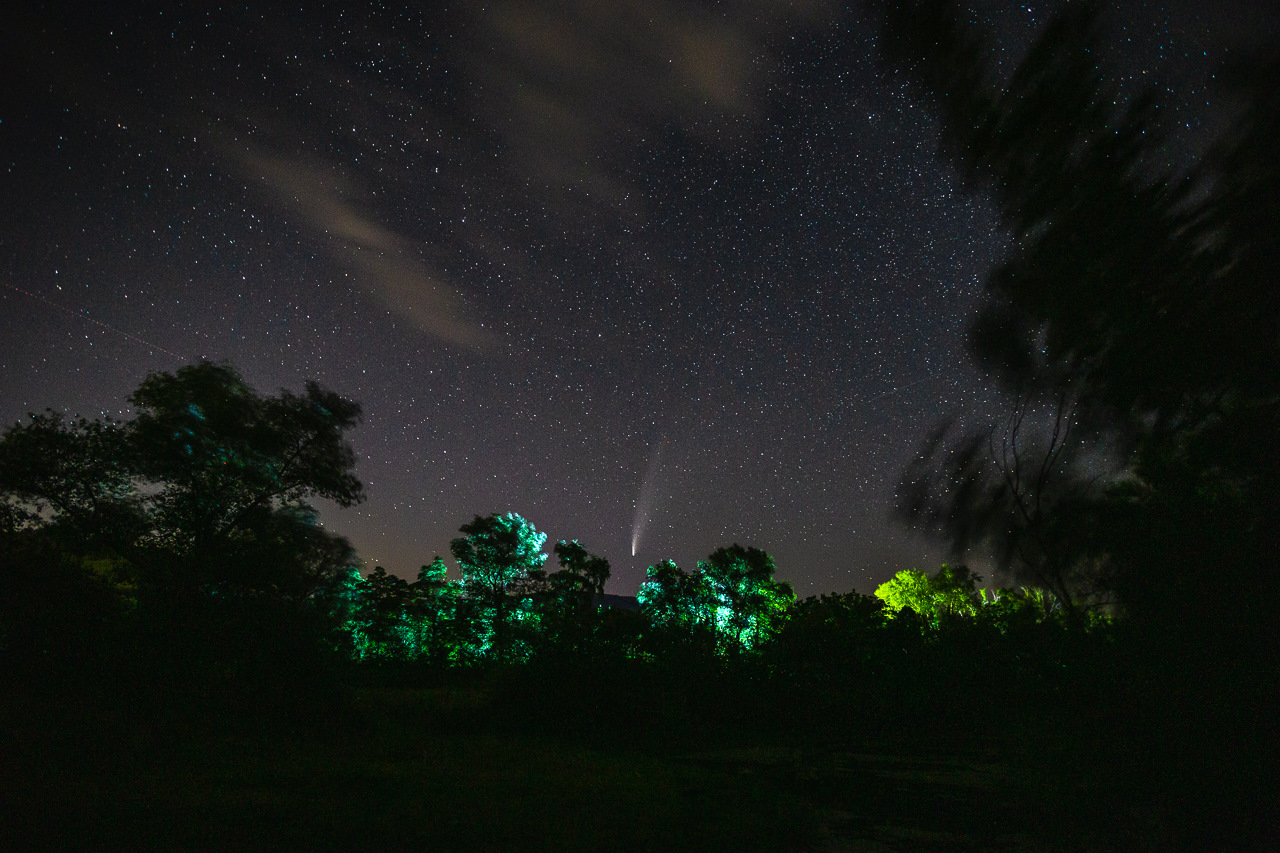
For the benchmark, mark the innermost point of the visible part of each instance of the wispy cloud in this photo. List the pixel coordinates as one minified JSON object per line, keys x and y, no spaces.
{"x":384,"y":262}
{"x":568,"y":83}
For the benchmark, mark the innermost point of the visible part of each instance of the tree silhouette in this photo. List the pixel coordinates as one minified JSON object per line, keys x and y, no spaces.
{"x":206,"y":488}
{"x":75,"y":481}
{"x":568,"y":611}
{"x":748,"y":603}
{"x":1144,"y":296}
{"x":501,"y":560}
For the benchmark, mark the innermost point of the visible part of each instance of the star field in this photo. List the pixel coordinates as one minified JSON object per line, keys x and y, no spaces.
{"x":536,"y":241}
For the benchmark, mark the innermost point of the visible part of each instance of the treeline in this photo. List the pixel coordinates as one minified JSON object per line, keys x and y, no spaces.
{"x":506,"y":608}
{"x":196,"y":512}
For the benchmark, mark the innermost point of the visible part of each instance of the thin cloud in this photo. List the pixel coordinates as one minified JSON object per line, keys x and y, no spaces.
{"x":566,"y":83}
{"x":382,"y":261}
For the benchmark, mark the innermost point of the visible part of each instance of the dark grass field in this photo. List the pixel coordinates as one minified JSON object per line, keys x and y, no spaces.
{"x":454,"y":769}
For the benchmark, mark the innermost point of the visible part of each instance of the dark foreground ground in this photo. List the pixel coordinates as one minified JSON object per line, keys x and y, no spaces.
{"x":453,"y":768}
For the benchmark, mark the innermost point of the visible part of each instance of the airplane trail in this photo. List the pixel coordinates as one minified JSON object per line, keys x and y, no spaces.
{"x":893,"y":391}
{"x":83,"y":315}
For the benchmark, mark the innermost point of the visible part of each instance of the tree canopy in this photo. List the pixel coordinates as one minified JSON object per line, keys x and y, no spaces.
{"x":501,"y":559}
{"x":206,"y":487}
{"x":1138,"y":302}
{"x":733,"y":596}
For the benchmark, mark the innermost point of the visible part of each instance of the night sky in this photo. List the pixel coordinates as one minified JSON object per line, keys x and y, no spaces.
{"x":675,"y":274}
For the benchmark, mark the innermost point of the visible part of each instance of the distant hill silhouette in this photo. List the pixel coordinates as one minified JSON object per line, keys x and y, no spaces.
{"x":616,"y":602}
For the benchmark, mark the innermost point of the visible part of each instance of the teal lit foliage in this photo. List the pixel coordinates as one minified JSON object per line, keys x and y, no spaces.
{"x":504,"y":607}
{"x":385,"y":628}
{"x":674,"y":600}
{"x":501,"y":559}
{"x":434,"y":608}
{"x":749,"y":604}
{"x":384,"y":617}
{"x":732,"y":597}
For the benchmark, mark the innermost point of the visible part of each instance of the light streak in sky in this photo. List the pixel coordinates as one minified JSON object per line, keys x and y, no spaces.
{"x":83,"y":315}
{"x":647,"y":501}
{"x":893,"y":391}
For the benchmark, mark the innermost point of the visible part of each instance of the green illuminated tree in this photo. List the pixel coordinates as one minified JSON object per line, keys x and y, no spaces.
{"x":732,"y":595}
{"x":674,"y":600}
{"x":952,"y":591}
{"x":749,"y":605}
{"x":908,"y":588}
{"x":501,"y":559}
{"x":434,"y":614}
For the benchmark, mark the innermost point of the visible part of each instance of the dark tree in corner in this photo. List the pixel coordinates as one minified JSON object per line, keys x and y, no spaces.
{"x":1143,"y":300}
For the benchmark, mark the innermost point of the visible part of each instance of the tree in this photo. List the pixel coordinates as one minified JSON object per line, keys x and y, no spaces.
{"x":733,"y":596}
{"x":909,"y":588}
{"x":384,"y":629}
{"x":224,"y":454}
{"x":501,"y":559}
{"x":75,"y":481}
{"x":581,"y":572}
{"x":674,"y":600}
{"x":1144,"y":295}
{"x":1014,"y":494}
{"x":206,"y":489}
{"x":749,"y":605}
{"x":434,"y":614}
{"x":567,"y":611}
{"x":834,"y":632}
{"x":952,"y":591}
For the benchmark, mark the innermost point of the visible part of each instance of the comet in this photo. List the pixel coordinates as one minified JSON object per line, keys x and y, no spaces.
{"x":647,"y":501}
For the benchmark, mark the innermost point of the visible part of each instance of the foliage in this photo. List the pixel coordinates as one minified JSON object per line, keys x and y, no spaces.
{"x":501,"y":559}
{"x":183,"y":534}
{"x":75,"y":481}
{"x":205,"y":489}
{"x":230,"y":463}
{"x":568,"y":614}
{"x":732,"y":596}
{"x":951,"y":596}
{"x":581,"y":576}
{"x":749,"y":604}
{"x":675,"y":600}
{"x":1138,"y":299}
{"x":951,"y":592}
{"x":838,"y":631}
